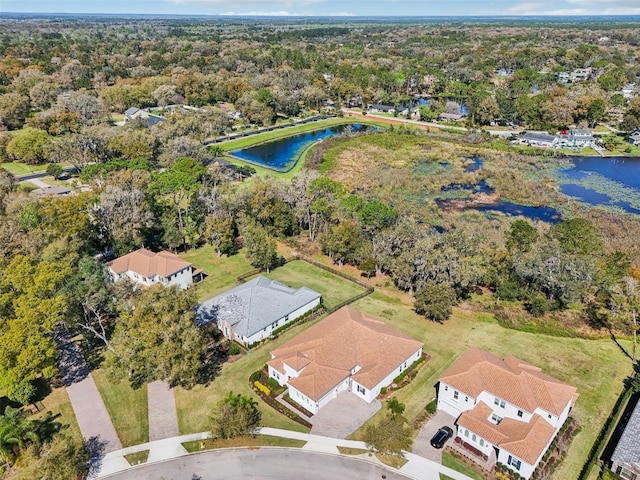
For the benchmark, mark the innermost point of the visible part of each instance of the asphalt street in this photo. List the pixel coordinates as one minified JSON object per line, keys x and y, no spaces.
{"x":260,"y":464}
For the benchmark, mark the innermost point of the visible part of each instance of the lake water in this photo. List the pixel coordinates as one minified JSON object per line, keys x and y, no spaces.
{"x":283,"y":153}
{"x":611,"y":182}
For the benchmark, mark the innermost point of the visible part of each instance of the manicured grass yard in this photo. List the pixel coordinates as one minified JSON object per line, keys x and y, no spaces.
{"x":222,"y":272}
{"x":450,"y":461}
{"x":334,"y":289}
{"x":127,"y":408}
{"x":596,"y":367}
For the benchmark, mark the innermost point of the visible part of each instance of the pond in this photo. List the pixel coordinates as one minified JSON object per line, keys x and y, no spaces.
{"x":609,"y":182}
{"x":283,"y":154}
{"x":544,"y":214}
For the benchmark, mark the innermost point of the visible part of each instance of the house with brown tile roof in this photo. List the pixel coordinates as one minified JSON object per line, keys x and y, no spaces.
{"x":347,"y":351}
{"x":507,"y":409}
{"x":146,"y":268}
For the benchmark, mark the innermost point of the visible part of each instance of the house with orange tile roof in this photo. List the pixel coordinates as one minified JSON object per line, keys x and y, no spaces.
{"x":145,"y":268}
{"x":347,"y":351}
{"x":506,"y":409}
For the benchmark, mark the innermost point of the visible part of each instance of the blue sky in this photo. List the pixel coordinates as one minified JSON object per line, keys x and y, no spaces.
{"x":331,"y":7}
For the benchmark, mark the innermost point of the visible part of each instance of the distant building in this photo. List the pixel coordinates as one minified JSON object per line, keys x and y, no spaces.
{"x":251,"y":312}
{"x":134,"y":113}
{"x":579,"y":137}
{"x":379,"y":108}
{"x":451,"y":117}
{"x":634,"y":137}
{"x":538,"y":139}
{"x":53,"y":191}
{"x":629,"y":90}
{"x":625,"y":460}
{"x":146,"y":268}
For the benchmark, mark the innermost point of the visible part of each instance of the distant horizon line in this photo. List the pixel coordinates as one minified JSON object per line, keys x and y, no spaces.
{"x":253,"y":15}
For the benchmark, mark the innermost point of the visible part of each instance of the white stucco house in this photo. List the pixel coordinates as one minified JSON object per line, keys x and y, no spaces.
{"x":251,"y":312}
{"x":506,"y":409}
{"x":145,"y":268}
{"x":347,"y":351}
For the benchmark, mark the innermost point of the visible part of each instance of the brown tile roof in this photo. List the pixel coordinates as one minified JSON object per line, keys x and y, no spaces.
{"x":511,"y":379}
{"x":345,"y":339}
{"x":148,"y":264}
{"x":526,"y":441}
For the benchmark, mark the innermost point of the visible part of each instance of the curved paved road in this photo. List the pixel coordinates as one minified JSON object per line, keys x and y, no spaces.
{"x":260,"y":463}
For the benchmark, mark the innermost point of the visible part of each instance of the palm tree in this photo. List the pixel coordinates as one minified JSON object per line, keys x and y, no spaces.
{"x":16,"y":431}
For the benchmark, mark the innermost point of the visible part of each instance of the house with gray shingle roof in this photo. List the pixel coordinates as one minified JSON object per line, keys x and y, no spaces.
{"x":251,"y":312}
{"x":625,"y":460}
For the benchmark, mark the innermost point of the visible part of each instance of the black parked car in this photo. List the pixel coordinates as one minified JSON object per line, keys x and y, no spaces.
{"x":441,"y":437}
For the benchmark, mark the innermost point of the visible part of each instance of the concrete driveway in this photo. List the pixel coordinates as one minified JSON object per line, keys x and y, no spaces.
{"x":422,"y":445}
{"x":343,"y":415}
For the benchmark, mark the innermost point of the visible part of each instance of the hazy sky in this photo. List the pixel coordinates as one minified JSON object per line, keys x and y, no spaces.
{"x":331,"y":7}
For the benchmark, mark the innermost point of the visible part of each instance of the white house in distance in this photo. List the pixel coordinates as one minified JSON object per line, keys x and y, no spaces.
{"x":347,"y":351}
{"x":251,"y":312}
{"x":146,"y":268}
{"x":507,"y":409}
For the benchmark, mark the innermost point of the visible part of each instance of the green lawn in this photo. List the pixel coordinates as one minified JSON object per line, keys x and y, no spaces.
{"x":596,"y":367}
{"x":222,"y":272}
{"x":58,"y":405}
{"x":334,"y":289}
{"x":450,"y":461}
{"x":127,"y":408}
{"x":19,"y":168}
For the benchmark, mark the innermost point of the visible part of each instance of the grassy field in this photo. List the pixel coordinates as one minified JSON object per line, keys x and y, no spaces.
{"x":222,"y":272}
{"x":19,"y":168}
{"x":254,"y":441}
{"x":596,"y":367}
{"x":127,"y":408}
{"x":334,"y":289}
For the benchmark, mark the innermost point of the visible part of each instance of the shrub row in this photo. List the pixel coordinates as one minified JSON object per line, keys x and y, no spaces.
{"x":411,"y":370}
{"x":273,"y":403}
{"x":263,"y":388}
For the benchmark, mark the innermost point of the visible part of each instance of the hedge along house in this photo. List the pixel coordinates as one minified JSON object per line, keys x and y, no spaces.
{"x":347,"y":351}
{"x":251,"y":312}
{"x":508,"y":410}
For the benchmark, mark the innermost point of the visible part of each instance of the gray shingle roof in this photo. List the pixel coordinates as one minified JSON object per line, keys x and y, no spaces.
{"x":628,"y":448}
{"x":539,"y":137}
{"x":131,"y":110}
{"x":254,"y":305}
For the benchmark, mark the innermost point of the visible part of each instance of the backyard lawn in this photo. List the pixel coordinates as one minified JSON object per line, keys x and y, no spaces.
{"x":334,"y":289}
{"x":596,"y":367}
{"x":222,"y":272}
{"x":19,"y":168}
{"x":127,"y":408}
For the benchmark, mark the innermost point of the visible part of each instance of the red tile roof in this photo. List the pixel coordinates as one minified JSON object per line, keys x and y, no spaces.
{"x":526,"y":441}
{"x":511,"y":379}
{"x":333,"y":347}
{"x":148,"y":264}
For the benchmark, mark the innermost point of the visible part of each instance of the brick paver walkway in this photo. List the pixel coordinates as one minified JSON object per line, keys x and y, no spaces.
{"x":91,"y":414}
{"x":163,"y":418}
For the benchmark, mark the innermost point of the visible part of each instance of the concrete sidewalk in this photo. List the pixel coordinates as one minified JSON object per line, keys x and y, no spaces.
{"x":416,"y":467}
{"x":159,"y":450}
{"x":91,"y":414}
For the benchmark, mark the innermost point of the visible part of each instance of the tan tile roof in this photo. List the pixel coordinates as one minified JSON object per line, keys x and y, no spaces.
{"x":511,"y":379}
{"x":526,"y":441}
{"x":345,"y":339}
{"x":148,"y":264}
